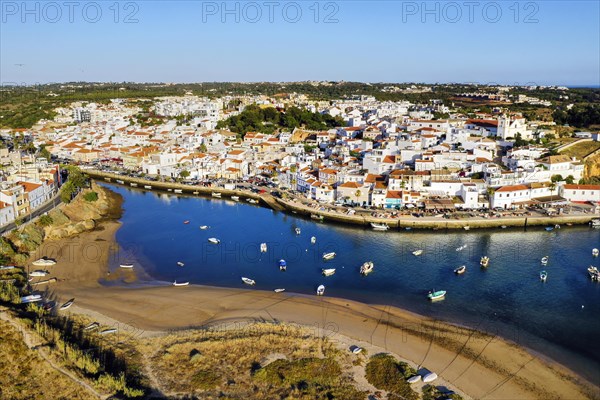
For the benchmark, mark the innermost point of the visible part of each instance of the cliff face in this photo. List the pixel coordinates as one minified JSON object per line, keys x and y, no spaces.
{"x":592,"y":166}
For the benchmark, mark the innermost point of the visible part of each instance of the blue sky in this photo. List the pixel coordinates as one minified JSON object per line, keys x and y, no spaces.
{"x":545,"y":42}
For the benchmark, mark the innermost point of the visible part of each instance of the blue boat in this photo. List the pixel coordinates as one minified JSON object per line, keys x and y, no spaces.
{"x":282,"y":265}
{"x":549,"y":228}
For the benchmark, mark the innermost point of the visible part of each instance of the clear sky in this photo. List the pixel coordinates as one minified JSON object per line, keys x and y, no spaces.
{"x":541,"y":42}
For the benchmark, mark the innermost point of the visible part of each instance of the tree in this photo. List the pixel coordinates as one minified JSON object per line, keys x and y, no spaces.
{"x":556,"y":178}
{"x":45,"y":153}
{"x":570,"y":179}
{"x":357,"y":194}
{"x":184,"y":174}
{"x":552,"y":187}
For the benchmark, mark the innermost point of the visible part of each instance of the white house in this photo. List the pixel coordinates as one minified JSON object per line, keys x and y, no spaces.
{"x":580,"y":193}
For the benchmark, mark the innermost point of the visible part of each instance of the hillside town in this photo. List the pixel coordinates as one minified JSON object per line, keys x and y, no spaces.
{"x":384,"y":155}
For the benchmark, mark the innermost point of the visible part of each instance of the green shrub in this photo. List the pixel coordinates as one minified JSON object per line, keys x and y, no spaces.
{"x":205,"y":379}
{"x":91,"y":196}
{"x":385,"y":373}
{"x":45,"y":220}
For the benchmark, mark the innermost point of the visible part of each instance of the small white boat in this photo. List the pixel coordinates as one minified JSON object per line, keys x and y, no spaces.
{"x":367,"y":268}
{"x":466,"y":228}
{"x":93,"y":325}
{"x":430,"y":377}
{"x":214,"y":240}
{"x":39,"y":273}
{"x":248,"y":281}
{"x":204,"y":227}
{"x":594,"y":273}
{"x":263,"y":247}
{"x":180,"y":263}
{"x":460,"y":270}
{"x":43,"y":262}
{"x":147,"y":187}
{"x":328,"y":256}
{"x":180,"y":283}
{"x":313,"y":240}
{"x":279,"y":290}
{"x":357,"y":350}
{"x":235,"y":198}
{"x":461,"y":248}
{"x":485,"y":261}
{"x":108,"y":331}
{"x":127,"y":266}
{"x":67,"y":305}
{"x":595,"y":252}
{"x":417,"y":252}
{"x":119,"y":181}
{"x":414,"y":379}
{"x":32,"y":298}
{"x":298,"y":231}
{"x":321,"y":290}
{"x":252,"y":201}
{"x":186,"y":222}
{"x":328,"y":271}
{"x":436,"y":295}
{"x":379,"y":227}
{"x":7,"y":267}
{"x":544,"y":260}
{"x":282,"y":265}
{"x":216,"y":194}
{"x":543,"y":276}
{"x":179,"y":191}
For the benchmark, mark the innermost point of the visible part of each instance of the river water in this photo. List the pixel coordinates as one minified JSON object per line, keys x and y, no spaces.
{"x":559,"y":318}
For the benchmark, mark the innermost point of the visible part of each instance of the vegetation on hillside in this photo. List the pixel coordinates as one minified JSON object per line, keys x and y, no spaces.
{"x":385,"y":373}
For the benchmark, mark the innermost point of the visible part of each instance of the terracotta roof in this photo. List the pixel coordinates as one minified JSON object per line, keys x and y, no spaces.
{"x":512,"y":188}
{"x":582,"y":187}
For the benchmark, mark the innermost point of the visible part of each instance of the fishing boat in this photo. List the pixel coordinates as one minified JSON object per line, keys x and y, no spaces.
{"x":594,"y":273}
{"x":316,"y":217}
{"x":328,"y":256}
{"x":357,"y":350}
{"x":282,"y":265}
{"x":252,"y":201}
{"x":414,"y":379}
{"x":466,"y":228}
{"x":248,"y":281}
{"x":321,"y":290}
{"x":436,"y":295}
{"x":214,"y":240}
{"x":186,"y":222}
{"x":147,"y":187}
{"x":216,"y":194}
{"x":93,"y":325}
{"x":67,"y":304}
{"x":367,"y":268}
{"x":379,"y":227}
{"x":460,"y":270}
{"x":313,"y":240}
{"x":39,"y":272}
{"x":43,"y":262}
{"x":328,"y":271}
{"x":178,"y":191}
{"x":543,"y":276}
{"x":595,"y":252}
{"x":126,"y":266}
{"x":180,"y":283}
{"x":279,"y":290}
{"x":204,"y":227}
{"x":298,"y":231}
{"x":180,"y":263}
{"x":544,"y":260}
{"x":32,"y":298}
{"x":485,"y":261}
{"x":461,"y":248}
{"x":263,"y":247}
{"x":235,"y":198}
{"x":417,"y":252}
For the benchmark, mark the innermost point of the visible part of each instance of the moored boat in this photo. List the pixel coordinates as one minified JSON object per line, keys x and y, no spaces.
{"x":67,"y":304}
{"x":126,"y":265}
{"x":252,"y":201}
{"x":316,"y":217}
{"x":38,"y":273}
{"x":379,"y":227}
{"x":282,"y":265}
{"x":313,"y":240}
{"x":43,"y":262}
{"x":298,"y":231}
{"x":93,"y":325}
{"x":594,"y":273}
{"x":328,"y":256}
{"x":418,"y":252}
{"x":180,"y":283}
{"x":248,"y":281}
{"x":186,"y":222}
{"x":107,"y":331}
{"x":181,"y":264}
{"x":147,"y":187}
{"x":279,"y":290}
{"x":216,"y":194}
{"x":367,"y":268}
{"x":460,"y":270}
{"x":414,"y":379}
{"x":263,"y":247}
{"x":328,"y":271}
{"x":460,"y":248}
{"x":214,"y":240}
{"x":178,"y":191}
{"x":466,"y":228}
{"x":430,"y":377}
{"x":595,"y":252}
{"x":204,"y":227}
{"x":321,"y":290}
{"x":544,"y":260}
{"x":549,"y":228}
{"x":32,"y":298}
{"x":235,"y":198}
{"x":436,"y":295}
{"x":543,"y":276}
{"x":485,"y":261}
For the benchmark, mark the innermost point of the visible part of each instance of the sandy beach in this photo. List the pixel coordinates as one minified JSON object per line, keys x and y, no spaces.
{"x":479,"y":365}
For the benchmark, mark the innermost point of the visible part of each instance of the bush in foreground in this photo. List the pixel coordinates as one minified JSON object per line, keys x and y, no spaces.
{"x":385,"y":373}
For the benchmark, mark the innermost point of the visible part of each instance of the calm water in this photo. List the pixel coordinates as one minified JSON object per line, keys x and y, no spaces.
{"x":559,"y":318}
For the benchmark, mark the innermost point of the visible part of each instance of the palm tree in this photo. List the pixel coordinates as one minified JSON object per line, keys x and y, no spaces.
{"x":358,"y":193}
{"x":552,"y":187}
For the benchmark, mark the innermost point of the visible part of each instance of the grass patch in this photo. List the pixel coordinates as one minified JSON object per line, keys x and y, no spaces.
{"x":385,"y":373}
{"x":582,"y":149}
